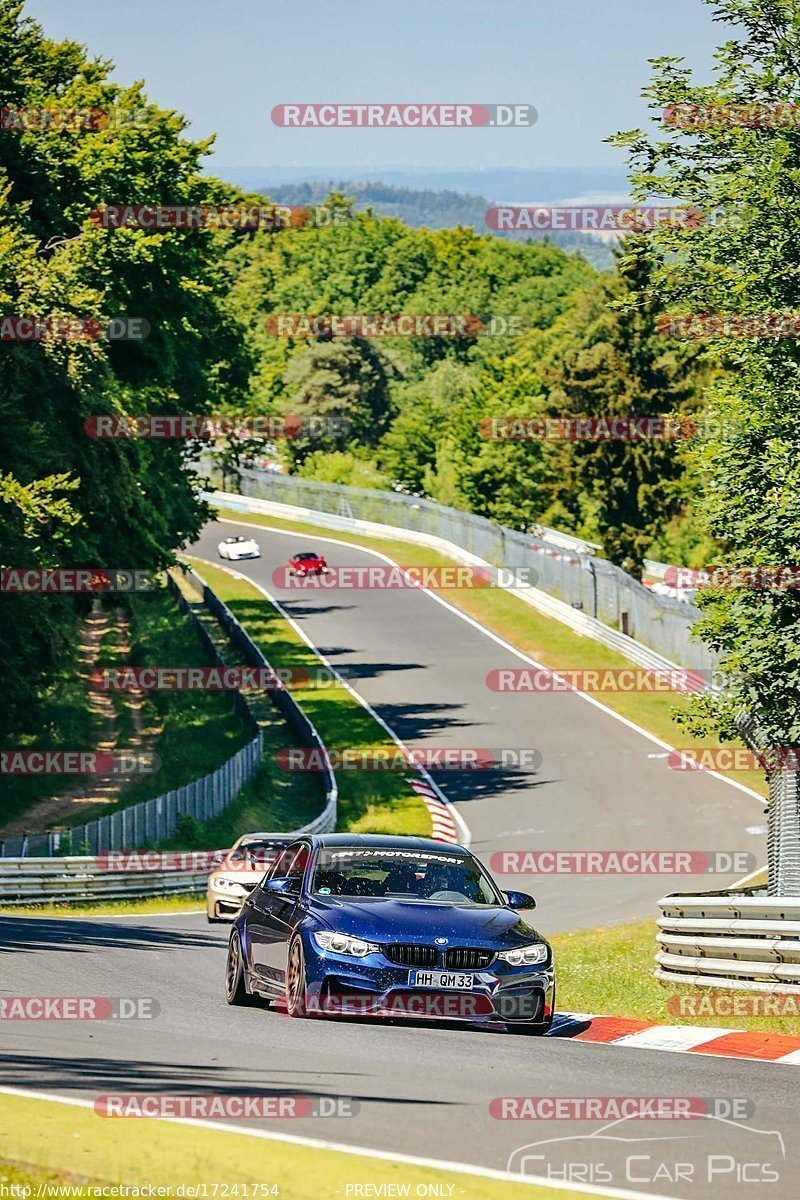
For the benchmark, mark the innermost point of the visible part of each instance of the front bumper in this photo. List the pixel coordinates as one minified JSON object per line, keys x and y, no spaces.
{"x":224,"y":905}
{"x":339,"y":984}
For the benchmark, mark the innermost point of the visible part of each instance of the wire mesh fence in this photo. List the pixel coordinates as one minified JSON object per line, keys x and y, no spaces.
{"x":569,"y":572}
{"x":151,"y":821}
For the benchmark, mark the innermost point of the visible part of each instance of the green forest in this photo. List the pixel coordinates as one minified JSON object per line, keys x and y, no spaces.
{"x":589,"y":344}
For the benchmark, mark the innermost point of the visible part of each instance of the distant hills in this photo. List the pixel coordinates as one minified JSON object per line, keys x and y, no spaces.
{"x":540,"y":185}
{"x":440,"y":208}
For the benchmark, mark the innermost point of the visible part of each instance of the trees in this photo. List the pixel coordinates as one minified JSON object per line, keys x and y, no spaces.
{"x":341,"y":387}
{"x":616,"y":363}
{"x":68,"y":499}
{"x":742,"y":174}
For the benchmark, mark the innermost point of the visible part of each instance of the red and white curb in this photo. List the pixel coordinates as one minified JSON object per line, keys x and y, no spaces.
{"x":444,"y":827}
{"x":687,"y":1039}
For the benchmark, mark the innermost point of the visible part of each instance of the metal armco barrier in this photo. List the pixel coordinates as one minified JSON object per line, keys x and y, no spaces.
{"x":151,"y":821}
{"x":731,"y":940}
{"x":564,"y":569}
{"x":79,"y":878}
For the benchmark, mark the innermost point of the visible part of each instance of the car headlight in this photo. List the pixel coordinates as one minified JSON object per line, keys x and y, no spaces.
{"x":227,"y":885}
{"x":341,"y":943}
{"x":525,"y":956}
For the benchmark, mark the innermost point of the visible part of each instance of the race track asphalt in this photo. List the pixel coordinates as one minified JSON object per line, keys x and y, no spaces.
{"x":422,"y":1089}
{"x":601,"y":786}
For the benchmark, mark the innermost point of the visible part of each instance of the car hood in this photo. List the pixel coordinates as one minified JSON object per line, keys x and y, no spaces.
{"x":416,"y":921}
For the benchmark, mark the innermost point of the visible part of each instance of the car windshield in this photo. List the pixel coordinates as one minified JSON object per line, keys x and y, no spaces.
{"x":307,"y":554}
{"x":258,"y":855}
{"x":388,"y":874}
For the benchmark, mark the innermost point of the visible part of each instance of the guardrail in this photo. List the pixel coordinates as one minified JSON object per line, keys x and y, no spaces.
{"x":732,"y":940}
{"x":150,"y":821}
{"x":32,"y":881}
{"x":564,"y":568}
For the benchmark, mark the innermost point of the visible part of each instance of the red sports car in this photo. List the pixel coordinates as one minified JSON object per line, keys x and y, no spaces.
{"x":307,"y":562}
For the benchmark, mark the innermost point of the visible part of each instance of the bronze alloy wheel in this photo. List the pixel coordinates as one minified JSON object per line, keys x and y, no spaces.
{"x":296,"y":980}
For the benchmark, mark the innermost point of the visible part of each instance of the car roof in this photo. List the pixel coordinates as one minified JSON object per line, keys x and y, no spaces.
{"x":264,"y":837}
{"x":385,"y":841}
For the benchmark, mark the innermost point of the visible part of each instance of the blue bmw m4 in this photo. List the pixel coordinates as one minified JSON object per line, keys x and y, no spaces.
{"x":347,"y":924}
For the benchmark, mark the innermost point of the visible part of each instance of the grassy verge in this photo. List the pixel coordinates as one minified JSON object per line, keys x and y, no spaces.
{"x":198,"y":730}
{"x":273,"y":800}
{"x":547,"y":640}
{"x":369,"y":801}
{"x":110,"y":908}
{"x":60,"y":1142}
{"x":610,"y":971}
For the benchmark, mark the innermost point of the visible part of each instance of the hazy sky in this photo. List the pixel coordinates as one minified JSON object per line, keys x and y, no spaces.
{"x":581,"y":63}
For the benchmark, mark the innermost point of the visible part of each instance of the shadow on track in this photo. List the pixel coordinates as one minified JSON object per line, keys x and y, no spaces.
{"x":98,"y":1074}
{"x":77,"y":935}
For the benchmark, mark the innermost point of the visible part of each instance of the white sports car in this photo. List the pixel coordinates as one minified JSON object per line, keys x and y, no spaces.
{"x":240,"y":546}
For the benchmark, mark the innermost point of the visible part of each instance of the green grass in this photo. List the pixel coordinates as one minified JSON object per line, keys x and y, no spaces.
{"x":199,"y":729}
{"x":274,"y":800}
{"x":44,"y":1140}
{"x":610,"y":972}
{"x":110,"y":908}
{"x":543,"y":638}
{"x":369,"y":801}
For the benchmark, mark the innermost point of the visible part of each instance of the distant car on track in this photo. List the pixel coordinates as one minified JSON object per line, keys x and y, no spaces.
{"x":237,"y":547}
{"x":242,"y":868}
{"x":390,"y":927}
{"x":307,"y":562}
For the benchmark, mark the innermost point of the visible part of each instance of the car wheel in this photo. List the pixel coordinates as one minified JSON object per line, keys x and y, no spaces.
{"x":296,"y":980}
{"x":235,"y":991}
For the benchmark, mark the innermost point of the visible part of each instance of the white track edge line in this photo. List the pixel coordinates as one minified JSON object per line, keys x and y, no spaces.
{"x":465,"y":829}
{"x":506,"y":646}
{"x":343,"y":1148}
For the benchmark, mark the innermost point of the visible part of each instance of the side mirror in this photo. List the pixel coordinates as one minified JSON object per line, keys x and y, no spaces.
{"x":519,"y":900}
{"x":284,"y":887}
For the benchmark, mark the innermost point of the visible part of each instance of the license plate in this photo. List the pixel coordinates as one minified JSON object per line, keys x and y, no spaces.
{"x":442,"y":979}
